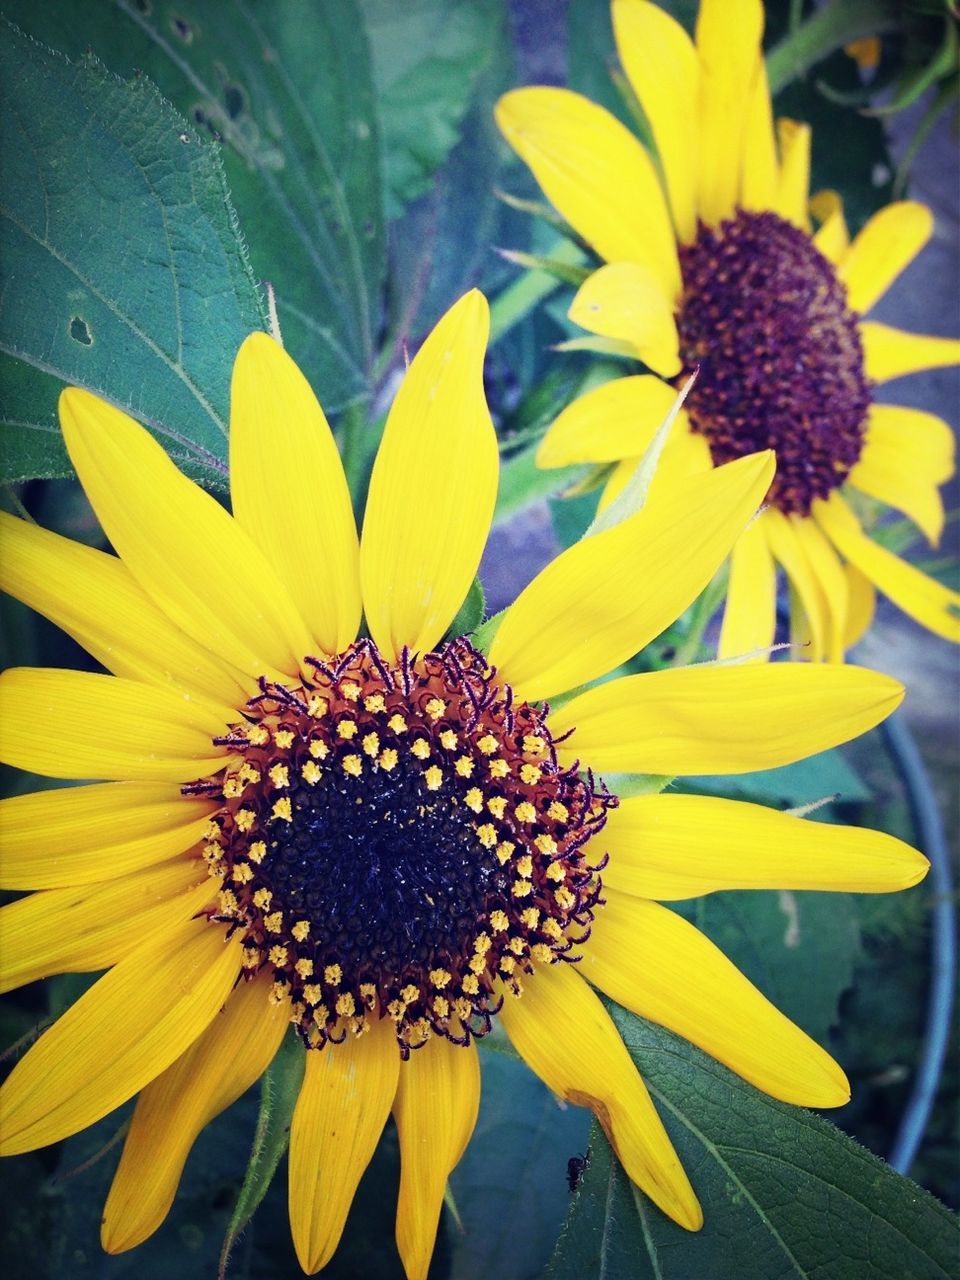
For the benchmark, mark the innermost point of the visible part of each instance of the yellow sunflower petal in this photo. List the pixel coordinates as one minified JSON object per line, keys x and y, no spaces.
{"x":861,"y":605}
{"x":616,"y":420}
{"x":661,"y":64}
{"x":95,"y":599}
{"x":186,"y":552}
{"x":72,"y":724}
{"x":910,"y":441}
{"x":607,"y":596}
{"x":436,"y":1108}
{"x":728,"y":37}
{"x":750,"y":616}
{"x":832,"y":237}
{"x":289,"y":491}
{"x":596,"y":173}
{"x":782,"y":539}
{"x":433,"y":487}
{"x":118,"y":1036}
{"x":828,"y":571}
{"x":880,"y":474}
{"x":221,"y":1064}
{"x":79,"y":835}
{"x":564,"y":1034}
{"x":675,"y":846}
{"x":91,"y":927}
{"x":656,"y":964}
{"x":625,"y":300}
{"x":760,"y":178}
{"x":717,"y":719}
{"x":887,"y":244}
{"x":892,"y":353}
{"x":793,"y":188}
{"x":344,"y":1103}
{"x":924,"y":599}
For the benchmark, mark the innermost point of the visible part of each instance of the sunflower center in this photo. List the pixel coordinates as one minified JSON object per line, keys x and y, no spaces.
{"x":765,"y":319}
{"x":398,"y":840}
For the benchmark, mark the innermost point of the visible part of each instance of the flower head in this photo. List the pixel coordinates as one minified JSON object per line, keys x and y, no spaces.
{"x":713,"y":266}
{"x":387,"y":840}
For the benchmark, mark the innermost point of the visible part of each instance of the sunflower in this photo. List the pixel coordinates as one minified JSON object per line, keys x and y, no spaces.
{"x":711,"y":265}
{"x":383,"y":836}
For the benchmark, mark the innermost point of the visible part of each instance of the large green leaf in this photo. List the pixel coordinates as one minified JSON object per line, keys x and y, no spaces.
{"x":784,"y":1193}
{"x":287,"y":88}
{"x":427,"y":58}
{"x":124,"y":270}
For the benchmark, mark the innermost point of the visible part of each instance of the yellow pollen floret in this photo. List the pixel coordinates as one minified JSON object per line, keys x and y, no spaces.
{"x":464,"y":766}
{"x":558,"y":812}
{"x":521,"y":888}
{"x":474,"y":799}
{"x":524,"y":865}
{"x":312,"y":993}
{"x":333,"y":975}
{"x":409,"y":993}
{"x":244,"y":819}
{"x":250,"y":957}
{"x":482,"y":943}
{"x":439,"y":978}
{"x":564,"y":897}
{"x":396,"y":1010}
{"x":242,"y":872}
{"x":433,"y":777}
{"x":499,"y":768}
{"x":448,"y":739}
{"x":435,"y":708}
{"x":248,"y":773}
{"x":530,"y":917}
{"x":318,"y":749}
{"x":212,"y":852}
{"x":317,"y":706}
{"x":280,"y":775}
{"x":257,"y":735}
{"x":487,"y":744}
{"x":421,"y":748}
{"x":371,"y":743}
{"x":278,"y":993}
{"x":487,"y":835}
{"x":212,"y":830}
{"x":478,"y":964}
{"x":301,"y":930}
{"x":262,"y":899}
{"x":368,"y":993}
{"x":497,"y":806}
{"x":353,"y":765}
{"x":504,"y":849}
{"x":507,"y":964}
{"x":552,"y":928}
{"x":441,"y":1006}
{"x":462,"y":1007}
{"x":320,"y":1014}
{"x":525,"y":812}
{"x":530,"y":773}
{"x":533,"y":743}
{"x":283,"y":809}
{"x":350,"y":690}
{"x":498,"y":921}
{"x":283,"y":738}
{"x":546,"y":844}
{"x":232,"y":789}
{"x":388,"y":759}
{"x":374,"y":702}
{"x":541,"y":953}
{"x":556,"y":871}
{"x":346,"y":728}
{"x":297,"y":1010}
{"x":228,"y":901}
{"x":346,"y":1006}
{"x":304,"y":968}
{"x":311,"y":772}
{"x":470,"y":984}
{"x":517,"y":946}
{"x":257,"y":851}
{"x":274,"y":921}
{"x":278,"y":955}
{"x":397,"y":723}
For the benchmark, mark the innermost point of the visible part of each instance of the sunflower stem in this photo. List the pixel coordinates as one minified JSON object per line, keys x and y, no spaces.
{"x":827,"y":29}
{"x":703,"y":611}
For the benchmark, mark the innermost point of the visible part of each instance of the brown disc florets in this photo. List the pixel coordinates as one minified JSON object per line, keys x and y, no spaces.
{"x":398,"y":840}
{"x":764,"y":319}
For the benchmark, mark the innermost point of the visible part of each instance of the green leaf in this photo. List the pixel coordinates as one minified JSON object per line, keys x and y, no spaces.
{"x":124,"y":269}
{"x":278,"y":1097}
{"x":510,"y":1186}
{"x":522,"y":483}
{"x":827,"y":774}
{"x":427,"y":57}
{"x":784,"y":1193}
{"x":470,"y":614}
{"x":287,"y":88}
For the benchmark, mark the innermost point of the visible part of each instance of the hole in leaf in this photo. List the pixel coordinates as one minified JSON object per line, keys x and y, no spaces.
{"x":183,"y":29}
{"x":143,"y":6}
{"x":80,"y":332}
